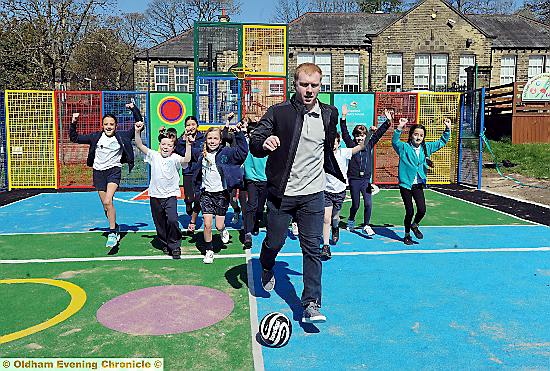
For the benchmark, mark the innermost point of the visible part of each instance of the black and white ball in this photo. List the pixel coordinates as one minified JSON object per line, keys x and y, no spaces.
{"x":275,"y":329}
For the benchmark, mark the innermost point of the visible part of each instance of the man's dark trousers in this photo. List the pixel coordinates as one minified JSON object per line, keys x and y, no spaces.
{"x":308,"y":211}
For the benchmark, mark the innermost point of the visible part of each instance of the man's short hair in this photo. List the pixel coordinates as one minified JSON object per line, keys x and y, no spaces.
{"x":308,"y":69}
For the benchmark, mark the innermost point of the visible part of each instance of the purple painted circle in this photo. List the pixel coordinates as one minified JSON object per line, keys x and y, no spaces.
{"x":162,"y":310}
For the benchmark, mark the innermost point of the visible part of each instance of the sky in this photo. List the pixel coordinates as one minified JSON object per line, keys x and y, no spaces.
{"x":252,"y":11}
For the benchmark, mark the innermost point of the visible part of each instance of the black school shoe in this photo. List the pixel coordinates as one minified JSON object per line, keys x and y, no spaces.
{"x":325,"y":253}
{"x":335,"y":234}
{"x":416,"y":231}
{"x":407,"y":240}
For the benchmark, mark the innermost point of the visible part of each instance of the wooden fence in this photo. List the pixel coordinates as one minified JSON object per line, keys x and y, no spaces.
{"x":507,"y":115}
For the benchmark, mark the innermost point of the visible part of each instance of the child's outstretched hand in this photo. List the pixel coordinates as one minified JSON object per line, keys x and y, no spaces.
{"x":162,"y":129}
{"x":402,"y":122}
{"x":75,"y":116}
{"x":130,"y":105}
{"x":138,"y":126}
{"x":230,"y":116}
{"x":448,"y":123}
{"x":344,"y":111}
{"x":389,"y":114}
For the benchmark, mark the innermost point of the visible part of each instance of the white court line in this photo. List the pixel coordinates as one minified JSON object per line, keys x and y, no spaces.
{"x":257,"y":354}
{"x":198,"y":230}
{"x":485,"y":207}
{"x":27,"y":198}
{"x":505,"y":196}
{"x":231,"y":256}
{"x":115,"y":258}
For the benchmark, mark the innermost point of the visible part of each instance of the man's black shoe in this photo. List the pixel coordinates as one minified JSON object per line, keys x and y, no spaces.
{"x":416,"y":231}
{"x":325,"y":253}
{"x":335,"y":234}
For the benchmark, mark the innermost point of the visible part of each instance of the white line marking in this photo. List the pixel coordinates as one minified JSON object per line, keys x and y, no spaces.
{"x":114,"y":258}
{"x":395,"y":227}
{"x":27,"y":198}
{"x":233,"y":256}
{"x":256,"y":348}
{"x":485,"y":207}
{"x":516,"y":198}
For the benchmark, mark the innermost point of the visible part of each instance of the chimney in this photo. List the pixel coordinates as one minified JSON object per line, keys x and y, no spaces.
{"x":224,"y":17}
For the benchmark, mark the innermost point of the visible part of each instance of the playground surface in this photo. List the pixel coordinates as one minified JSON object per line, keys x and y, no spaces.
{"x":473,"y":294}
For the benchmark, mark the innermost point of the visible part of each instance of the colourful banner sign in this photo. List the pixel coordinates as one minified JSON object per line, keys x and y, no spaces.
{"x":360,"y":108}
{"x":169,"y":110}
{"x":537,"y":88}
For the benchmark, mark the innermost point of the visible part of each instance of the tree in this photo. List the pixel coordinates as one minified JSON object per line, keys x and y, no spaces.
{"x":288,"y":10}
{"x":386,"y":6}
{"x":168,"y":18}
{"x":541,"y":8}
{"x":484,"y":6}
{"x":56,"y":26}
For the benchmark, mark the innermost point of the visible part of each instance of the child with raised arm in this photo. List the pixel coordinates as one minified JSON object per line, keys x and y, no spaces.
{"x":413,"y":164}
{"x":192,"y":205}
{"x":360,"y":167}
{"x":164,"y":187}
{"x":109,"y":149}
{"x":219,"y":173}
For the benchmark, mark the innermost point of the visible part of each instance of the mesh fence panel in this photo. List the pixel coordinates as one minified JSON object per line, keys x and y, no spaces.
{"x":471,"y":121}
{"x":264,"y":51}
{"x":73,"y":171}
{"x":217,"y":47}
{"x":31,"y":134}
{"x":261,"y":93}
{"x":433,"y":108}
{"x":385,"y":158}
{"x":3,"y":147}
{"x":216,"y":97}
{"x":114,"y":102}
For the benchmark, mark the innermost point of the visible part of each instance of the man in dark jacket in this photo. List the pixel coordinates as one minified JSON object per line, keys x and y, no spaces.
{"x":298,"y":136}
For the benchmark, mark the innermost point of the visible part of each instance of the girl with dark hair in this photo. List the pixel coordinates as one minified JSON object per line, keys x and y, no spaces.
{"x":219,"y":172}
{"x":360,"y":166}
{"x":109,"y":149}
{"x":192,"y":205}
{"x":413,"y":165}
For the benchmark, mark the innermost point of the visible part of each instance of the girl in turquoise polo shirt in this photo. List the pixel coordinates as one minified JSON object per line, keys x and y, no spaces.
{"x":413,"y":163}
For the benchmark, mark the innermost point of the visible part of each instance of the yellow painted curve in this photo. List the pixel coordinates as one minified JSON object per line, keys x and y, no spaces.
{"x":78,"y":298}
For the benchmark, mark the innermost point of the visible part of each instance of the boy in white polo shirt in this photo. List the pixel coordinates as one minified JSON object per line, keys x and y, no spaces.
{"x":164,"y":188}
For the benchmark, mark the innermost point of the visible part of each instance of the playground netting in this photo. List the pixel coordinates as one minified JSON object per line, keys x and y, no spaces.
{"x":36,"y":152}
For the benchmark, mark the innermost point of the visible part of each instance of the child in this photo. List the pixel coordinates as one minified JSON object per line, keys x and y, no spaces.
{"x":238,"y":194}
{"x":413,"y":164}
{"x":256,"y":187}
{"x":109,"y":149}
{"x":192,"y":205}
{"x":164,"y":187}
{"x":219,"y":173}
{"x":335,"y":192}
{"x":360,"y":167}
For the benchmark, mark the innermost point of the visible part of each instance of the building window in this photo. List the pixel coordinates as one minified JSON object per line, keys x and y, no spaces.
{"x":439,"y":69}
{"x":182,"y":78}
{"x":351,"y":72}
{"x":422,"y":72}
{"x":507,"y":69}
{"x":394,"y":72}
{"x":161,"y":78}
{"x":430,"y":71}
{"x":324,"y":63}
{"x":465,"y":62}
{"x":276,"y":63}
{"x":203,"y":87}
{"x":537,"y":65}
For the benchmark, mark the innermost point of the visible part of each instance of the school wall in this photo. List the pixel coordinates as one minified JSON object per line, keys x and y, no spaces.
{"x":140,"y":74}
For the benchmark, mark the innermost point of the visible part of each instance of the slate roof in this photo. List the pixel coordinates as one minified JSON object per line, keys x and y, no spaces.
{"x":176,"y":48}
{"x":337,"y":29}
{"x":351,"y":29}
{"x":513,"y":31}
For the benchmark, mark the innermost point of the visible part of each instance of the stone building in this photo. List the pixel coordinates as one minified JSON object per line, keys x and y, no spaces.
{"x":429,"y":47}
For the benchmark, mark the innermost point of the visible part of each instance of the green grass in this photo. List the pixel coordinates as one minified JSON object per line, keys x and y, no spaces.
{"x":226,"y":343}
{"x":533,"y":160}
